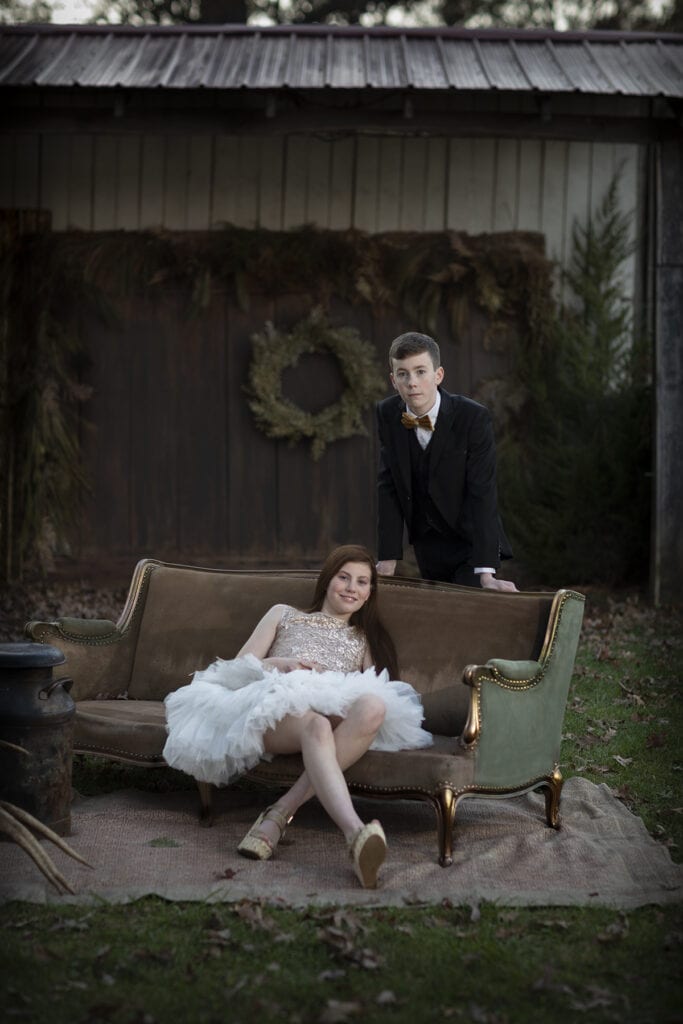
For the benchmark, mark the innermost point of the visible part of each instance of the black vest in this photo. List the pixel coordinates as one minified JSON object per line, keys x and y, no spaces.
{"x":426,"y":516}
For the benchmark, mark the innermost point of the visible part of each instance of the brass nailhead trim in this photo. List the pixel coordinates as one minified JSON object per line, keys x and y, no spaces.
{"x":84,"y":748}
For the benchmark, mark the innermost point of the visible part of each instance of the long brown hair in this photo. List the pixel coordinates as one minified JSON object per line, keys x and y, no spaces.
{"x":367,"y":618}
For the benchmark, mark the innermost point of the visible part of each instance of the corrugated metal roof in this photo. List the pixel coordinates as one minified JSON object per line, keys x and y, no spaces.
{"x":323,"y":57}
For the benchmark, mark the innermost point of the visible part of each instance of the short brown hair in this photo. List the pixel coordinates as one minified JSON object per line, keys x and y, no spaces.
{"x":412,"y":344}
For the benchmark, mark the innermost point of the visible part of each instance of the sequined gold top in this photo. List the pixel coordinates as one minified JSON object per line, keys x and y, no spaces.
{"x":315,"y":637}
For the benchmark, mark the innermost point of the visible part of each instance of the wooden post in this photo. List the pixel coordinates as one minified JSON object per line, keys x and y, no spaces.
{"x":667,"y":540}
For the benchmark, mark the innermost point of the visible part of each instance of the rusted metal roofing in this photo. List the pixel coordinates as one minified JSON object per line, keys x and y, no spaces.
{"x":325,"y":57}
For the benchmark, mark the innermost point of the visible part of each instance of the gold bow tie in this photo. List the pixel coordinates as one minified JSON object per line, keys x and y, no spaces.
{"x":416,"y":421}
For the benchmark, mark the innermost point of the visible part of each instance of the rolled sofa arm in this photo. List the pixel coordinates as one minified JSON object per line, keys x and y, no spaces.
{"x":99,"y":653}
{"x":516,"y":674}
{"x":517,"y":707}
{"x":99,"y":656}
{"x":513,"y":675}
{"x":77,"y":628}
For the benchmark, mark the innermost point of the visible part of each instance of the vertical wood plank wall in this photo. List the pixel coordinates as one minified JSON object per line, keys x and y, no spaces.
{"x":196,"y":183}
{"x":177,"y":466}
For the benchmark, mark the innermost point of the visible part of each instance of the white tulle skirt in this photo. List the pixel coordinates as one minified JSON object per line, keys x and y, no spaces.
{"x":216,"y":724}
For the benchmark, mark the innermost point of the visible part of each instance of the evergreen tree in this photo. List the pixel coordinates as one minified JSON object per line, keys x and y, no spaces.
{"x":575,"y":481}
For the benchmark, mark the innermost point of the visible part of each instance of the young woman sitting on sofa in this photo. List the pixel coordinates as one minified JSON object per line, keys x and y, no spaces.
{"x":319,"y":682}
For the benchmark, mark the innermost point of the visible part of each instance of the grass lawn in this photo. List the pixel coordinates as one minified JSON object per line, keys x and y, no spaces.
{"x":153,"y":961}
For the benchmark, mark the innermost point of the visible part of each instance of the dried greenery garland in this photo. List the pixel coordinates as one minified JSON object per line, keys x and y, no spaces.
{"x":280,"y":418}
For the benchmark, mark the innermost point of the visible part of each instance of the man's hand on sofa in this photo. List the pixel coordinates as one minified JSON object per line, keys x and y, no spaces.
{"x":489,"y":582}
{"x":387,"y":567}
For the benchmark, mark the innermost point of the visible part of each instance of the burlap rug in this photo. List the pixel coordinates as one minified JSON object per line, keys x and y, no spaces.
{"x":148,"y":843}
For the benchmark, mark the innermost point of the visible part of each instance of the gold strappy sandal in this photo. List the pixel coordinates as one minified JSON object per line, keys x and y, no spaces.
{"x":257,"y":846}
{"x":367,"y":850}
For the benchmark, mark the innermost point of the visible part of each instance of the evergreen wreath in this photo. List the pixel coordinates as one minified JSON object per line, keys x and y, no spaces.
{"x":274,"y":352}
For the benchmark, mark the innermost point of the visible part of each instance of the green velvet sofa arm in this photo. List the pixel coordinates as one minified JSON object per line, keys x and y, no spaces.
{"x":514,"y":724}
{"x":505,"y":673}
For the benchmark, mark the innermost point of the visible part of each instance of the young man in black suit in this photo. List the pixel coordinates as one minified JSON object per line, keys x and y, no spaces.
{"x":437,"y":474}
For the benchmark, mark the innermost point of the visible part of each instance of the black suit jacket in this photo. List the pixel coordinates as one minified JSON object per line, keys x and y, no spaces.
{"x":462,"y":478}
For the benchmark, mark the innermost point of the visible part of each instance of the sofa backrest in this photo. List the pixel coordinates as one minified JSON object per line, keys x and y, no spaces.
{"x":190,"y":616}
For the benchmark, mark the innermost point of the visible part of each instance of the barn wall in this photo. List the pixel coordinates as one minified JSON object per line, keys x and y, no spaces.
{"x":177,"y":466}
{"x":374,"y":183}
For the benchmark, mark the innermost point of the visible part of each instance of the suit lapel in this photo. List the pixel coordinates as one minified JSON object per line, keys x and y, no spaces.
{"x":444,"y":422}
{"x":401,"y":442}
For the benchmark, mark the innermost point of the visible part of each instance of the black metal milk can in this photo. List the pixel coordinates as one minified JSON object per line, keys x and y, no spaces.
{"x":36,"y":714}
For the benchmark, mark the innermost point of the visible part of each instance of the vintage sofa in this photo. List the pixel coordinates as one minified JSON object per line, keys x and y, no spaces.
{"x":493,"y":670}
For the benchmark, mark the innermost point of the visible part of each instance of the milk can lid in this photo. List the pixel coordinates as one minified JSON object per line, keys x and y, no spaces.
{"x":28,"y":655}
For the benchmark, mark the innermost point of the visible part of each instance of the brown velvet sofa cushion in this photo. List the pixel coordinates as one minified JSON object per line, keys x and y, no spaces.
{"x":133,"y":731}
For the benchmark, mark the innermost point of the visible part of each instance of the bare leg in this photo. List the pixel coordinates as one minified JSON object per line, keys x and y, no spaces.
{"x":326,"y":754}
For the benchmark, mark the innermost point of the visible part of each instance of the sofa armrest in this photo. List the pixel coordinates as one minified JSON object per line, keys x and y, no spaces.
{"x":517,"y":707}
{"x":100,"y":653}
{"x":76,"y":628}
{"x":514,"y":675}
{"x":99,"y":656}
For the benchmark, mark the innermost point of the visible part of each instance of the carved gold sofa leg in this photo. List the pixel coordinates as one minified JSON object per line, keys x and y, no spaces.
{"x":552,"y":790}
{"x":205,"y":809}
{"x":445,"y":817}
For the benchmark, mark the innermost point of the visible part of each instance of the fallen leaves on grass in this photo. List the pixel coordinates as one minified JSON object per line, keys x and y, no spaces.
{"x":252,"y":914}
{"x":336,"y":1011}
{"x":596,"y":998}
{"x":220,"y":938}
{"x":623,"y":761}
{"x":587,"y":741}
{"x":480,"y":1015}
{"x":363,"y":957}
{"x":656,"y":739}
{"x":70,"y":924}
{"x":631,"y":696}
{"x":163,"y":957}
{"x":341,"y":932}
{"x":619,"y":929}
{"x":554,"y":923}
{"x":623,"y":793}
